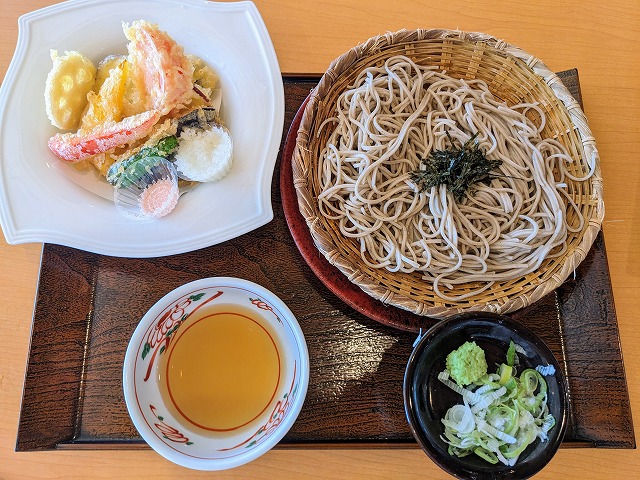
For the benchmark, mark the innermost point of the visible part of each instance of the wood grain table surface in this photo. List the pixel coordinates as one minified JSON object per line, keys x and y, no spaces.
{"x":600,"y":39}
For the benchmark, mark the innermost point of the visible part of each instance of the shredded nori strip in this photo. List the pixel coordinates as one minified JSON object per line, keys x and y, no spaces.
{"x":457,"y":168}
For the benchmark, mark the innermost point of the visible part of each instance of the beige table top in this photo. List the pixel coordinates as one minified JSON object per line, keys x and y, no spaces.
{"x":601,"y":39}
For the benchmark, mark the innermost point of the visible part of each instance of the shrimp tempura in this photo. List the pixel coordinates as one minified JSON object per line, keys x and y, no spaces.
{"x":159,"y":66}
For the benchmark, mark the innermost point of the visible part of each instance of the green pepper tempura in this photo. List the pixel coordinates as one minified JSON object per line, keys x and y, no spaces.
{"x":132,"y":169}
{"x":501,"y":413}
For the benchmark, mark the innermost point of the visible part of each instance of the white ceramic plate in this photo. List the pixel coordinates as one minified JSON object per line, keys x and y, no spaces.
{"x":43,"y":200}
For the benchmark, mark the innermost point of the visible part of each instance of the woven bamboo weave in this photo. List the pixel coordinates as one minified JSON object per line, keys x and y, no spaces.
{"x":514,"y":77}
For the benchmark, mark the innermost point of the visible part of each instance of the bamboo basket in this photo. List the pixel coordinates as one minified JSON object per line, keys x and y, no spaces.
{"x":513,"y":76}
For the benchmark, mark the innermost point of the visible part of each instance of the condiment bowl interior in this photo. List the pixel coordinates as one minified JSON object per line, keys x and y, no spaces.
{"x":427,"y":399}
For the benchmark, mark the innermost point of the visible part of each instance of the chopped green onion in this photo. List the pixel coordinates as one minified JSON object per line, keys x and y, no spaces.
{"x":511,"y":354}
{"x":505,"y":372}
{"x":501,"y":413}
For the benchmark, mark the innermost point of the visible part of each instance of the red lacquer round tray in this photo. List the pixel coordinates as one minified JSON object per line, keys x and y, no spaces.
{"x":333,"y":278}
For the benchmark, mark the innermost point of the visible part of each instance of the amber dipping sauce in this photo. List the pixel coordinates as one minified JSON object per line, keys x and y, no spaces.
{"x":221,"y":370}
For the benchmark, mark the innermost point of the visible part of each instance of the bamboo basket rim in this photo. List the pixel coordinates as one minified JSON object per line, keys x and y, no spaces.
{"x":515,"y":294}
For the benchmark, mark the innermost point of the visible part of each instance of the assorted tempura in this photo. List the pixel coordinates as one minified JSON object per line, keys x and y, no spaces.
{"x":133,"y":115}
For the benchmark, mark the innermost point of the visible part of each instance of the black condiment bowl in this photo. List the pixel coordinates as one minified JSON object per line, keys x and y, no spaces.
{"x":426,"y":399}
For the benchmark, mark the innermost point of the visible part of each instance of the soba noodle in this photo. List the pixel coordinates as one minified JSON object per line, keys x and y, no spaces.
{"x":387,"y":123}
